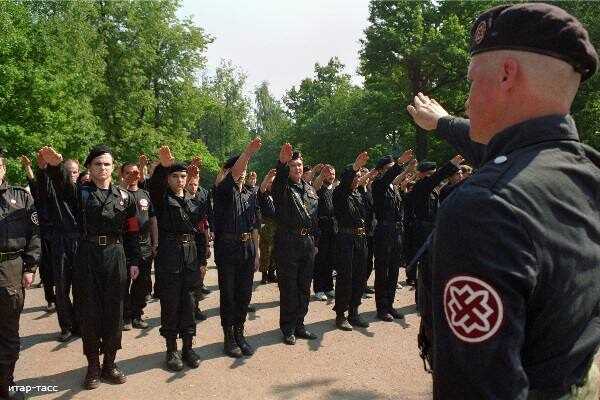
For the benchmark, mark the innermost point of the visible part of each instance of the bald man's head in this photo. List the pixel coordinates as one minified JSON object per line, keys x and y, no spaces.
{"x":509,"y":87}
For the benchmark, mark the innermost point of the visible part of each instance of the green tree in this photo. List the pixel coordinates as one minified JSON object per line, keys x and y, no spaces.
{"x":223,"y":123}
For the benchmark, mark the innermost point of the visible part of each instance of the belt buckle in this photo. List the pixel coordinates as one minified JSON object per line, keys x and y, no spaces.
{"x":185,"y":238}
{"x":102,"y":240}
{"x":360,"y":231}
{"x":245,"y":237}
{"x":303,"y":231}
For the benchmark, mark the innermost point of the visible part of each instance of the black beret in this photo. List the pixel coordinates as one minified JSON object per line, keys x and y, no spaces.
{"x":296,"y":155}
{"x":383,"y":161}
{"x":231,"y":162}
{"x":96,"y":151}
{"x":538,"y":28}
{"x":177,"y":167}
{"x":425,"y":166}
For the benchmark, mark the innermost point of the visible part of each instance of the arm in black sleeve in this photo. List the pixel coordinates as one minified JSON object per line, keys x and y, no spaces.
{"x":33,"y":247}
{"x":426,"y":185}
{"x":280,"y":182}
{"x":345,"y":187}
{"x":481,"y":253}
{"x":157,"y":186}
{"x":62,"y":182}
{"x":455,"y":131}
{"x":391,"y":174}
{"x":131,"y":240}
{"x":267,"y":207}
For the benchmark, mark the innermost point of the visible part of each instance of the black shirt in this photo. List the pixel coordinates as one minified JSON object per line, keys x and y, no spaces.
{"x":350,"y":211}
{"x":387,"y":202}
{"x":235,"y":211}
{"x":295,"y":203}
{"x":519,"y":242}
{"x":327,"y":222}
{"x":144,"y":211}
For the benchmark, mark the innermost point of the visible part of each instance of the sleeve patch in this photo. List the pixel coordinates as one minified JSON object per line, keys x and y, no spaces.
{"x":34,"y":218}
{"x":473,"y":309}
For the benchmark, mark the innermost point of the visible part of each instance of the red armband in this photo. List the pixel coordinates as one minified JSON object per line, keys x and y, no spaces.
{"x":132,"y":225}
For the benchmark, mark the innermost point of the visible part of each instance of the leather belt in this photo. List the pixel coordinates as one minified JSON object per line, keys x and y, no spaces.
{"x":10,"y":255}
{"x":242,"y":237}
{"x":361,"y":231}
{"x":183,"y":238}
{"x":299,"y":231}
{"x":103,"y":240}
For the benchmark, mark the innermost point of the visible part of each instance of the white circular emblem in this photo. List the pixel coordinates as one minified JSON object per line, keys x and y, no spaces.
{"x":144,"y":203}
{"x":34,"y":218}
{"x":500,"y":159}
{"x":13,"y":201}
{"x":473,"y":309}
{"x":121,"y":202}
{"x":480,"y":32}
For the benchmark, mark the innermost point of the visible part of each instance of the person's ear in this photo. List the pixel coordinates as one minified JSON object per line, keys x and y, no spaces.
{"x":510,"y":72}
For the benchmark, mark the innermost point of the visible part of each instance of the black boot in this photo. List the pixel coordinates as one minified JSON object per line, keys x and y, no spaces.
{"x":238,"y":332}
{"x":342,"y":323}
{"x":355,"y":320}
{"x":173,"y":359}
{"x":230,"y":346}
{"x":110,"y":372}
{"x":188,"y":354}
{"x":92,"y":377}
{"x":5,"y":380}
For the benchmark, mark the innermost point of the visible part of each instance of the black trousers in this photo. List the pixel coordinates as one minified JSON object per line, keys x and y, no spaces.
{"x":370,"y":264}
{"x":324,"y":262}
{"x":11,"y":305}
{"x":201,"y":257}
{"x":177,"y":303}
{"x":295,"y":256}
{"x":388,"y":257}
{"x":177,"y":276}
{"x":137,"y":290}
{"x":235,"y":267}
{"x":46,"y":269}
{"x":351,"y":266}
{"x":64,"y":251}
{"x":99,"y":284}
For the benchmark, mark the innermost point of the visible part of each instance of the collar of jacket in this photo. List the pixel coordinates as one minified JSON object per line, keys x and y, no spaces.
{"x":533,"y":131}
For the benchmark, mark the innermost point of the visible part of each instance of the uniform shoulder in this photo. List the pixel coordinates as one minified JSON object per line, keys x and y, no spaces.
{"x":18,"y":191}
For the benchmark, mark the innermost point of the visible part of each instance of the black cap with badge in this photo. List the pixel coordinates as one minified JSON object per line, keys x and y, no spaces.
{"x":96,"y":151}
{"x":538,"y":28}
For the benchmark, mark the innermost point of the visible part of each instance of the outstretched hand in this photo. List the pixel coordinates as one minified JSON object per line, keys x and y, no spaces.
{"x":405,"y":157}
{"x":165,"y":156}
{"x":51,"y":156}
{"x":254,"y":145}
{"x":25,"y":161}
{"x":426,"y":112}
{"x":286,"y":152}
{"x":361,"y":160}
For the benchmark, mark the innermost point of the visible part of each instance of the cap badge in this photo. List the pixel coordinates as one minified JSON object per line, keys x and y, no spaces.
{"x":480,"y":32}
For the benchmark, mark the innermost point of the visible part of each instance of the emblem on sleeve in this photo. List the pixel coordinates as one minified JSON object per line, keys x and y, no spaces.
{"x":473,"y":309}
{"x":144,"y":203}
{"x":34,"y":218}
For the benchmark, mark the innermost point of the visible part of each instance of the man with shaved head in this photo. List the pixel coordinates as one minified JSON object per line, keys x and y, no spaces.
{"x":516,"y":252}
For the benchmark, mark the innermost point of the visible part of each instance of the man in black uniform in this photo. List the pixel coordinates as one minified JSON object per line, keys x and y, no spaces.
{"x":388,"y":234}
{"x":40,"y":190}
{"x":64,"y":245}
{"x":351,"y":246}
{"x":325,"y":258}
{"x":237,"y":253}
{"x":296,"y":216}
{"x":138,"y":289}
{"x":516,"y":283}
{"x":19,"y":255}
{"x":425,"y":203}
{"x":203,"y":211}
{"x":176,"y":261}
{"x":109,"y":248}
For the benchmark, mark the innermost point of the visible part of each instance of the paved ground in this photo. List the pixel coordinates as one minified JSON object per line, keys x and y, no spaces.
{"x":380,"y":362}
